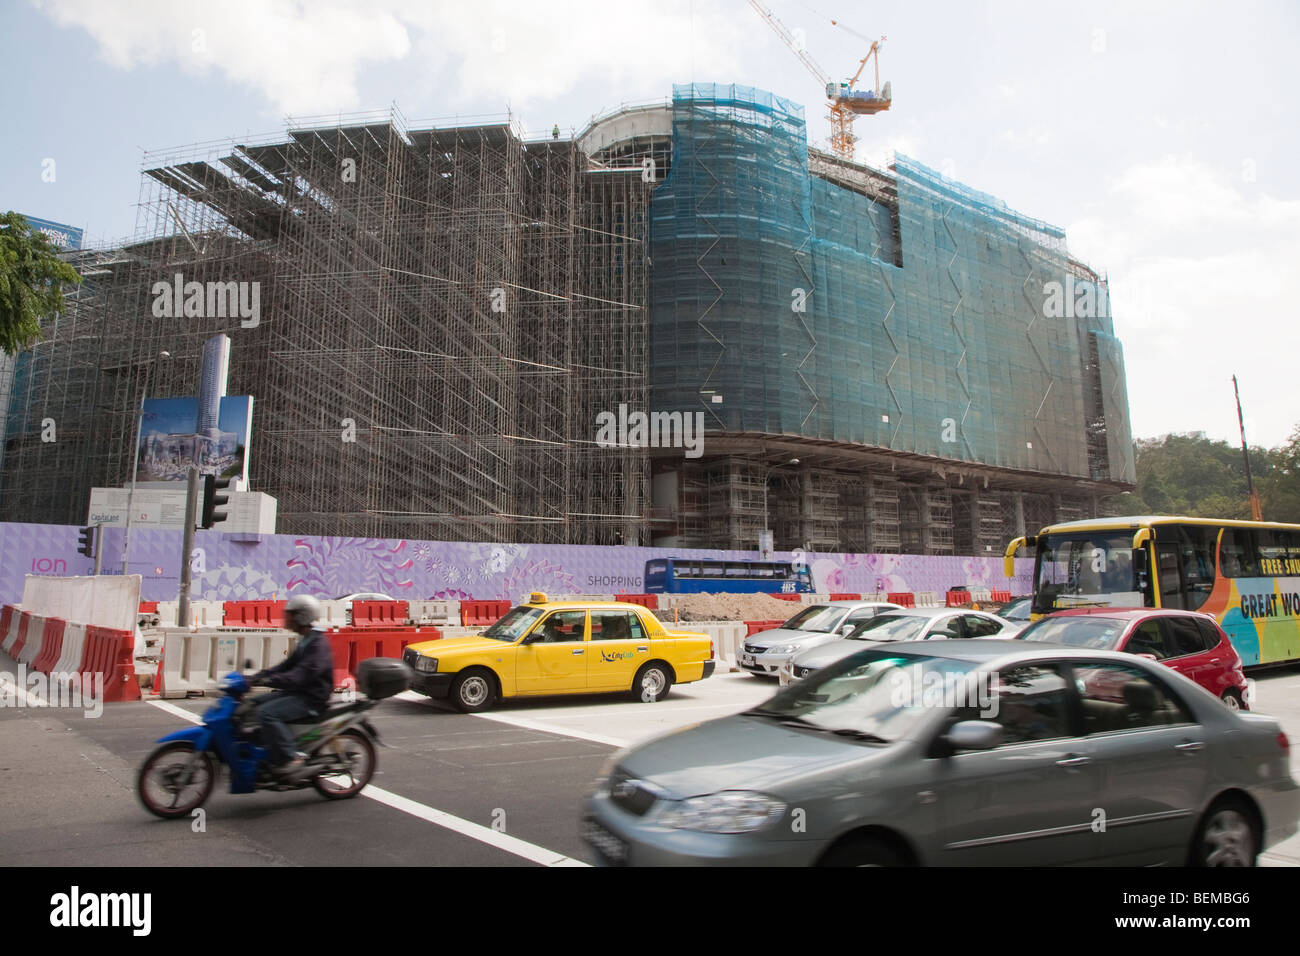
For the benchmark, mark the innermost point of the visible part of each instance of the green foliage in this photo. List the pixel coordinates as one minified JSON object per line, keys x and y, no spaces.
{"x":1192,"y":475}
{"x":1280,"y":489}
{"x":32,"y":278}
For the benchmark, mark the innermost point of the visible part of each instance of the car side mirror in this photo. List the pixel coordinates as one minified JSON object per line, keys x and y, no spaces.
{"x":847,"y":629}
{"x":949,"y":635}
{"x":533,"y":638}
{"x":974,"y":735}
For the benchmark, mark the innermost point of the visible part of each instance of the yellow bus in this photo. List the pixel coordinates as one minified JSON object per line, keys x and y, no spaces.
{"x":1245,"y":574}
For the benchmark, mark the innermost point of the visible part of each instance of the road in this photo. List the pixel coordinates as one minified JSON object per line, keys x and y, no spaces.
{"x":496,"y":789}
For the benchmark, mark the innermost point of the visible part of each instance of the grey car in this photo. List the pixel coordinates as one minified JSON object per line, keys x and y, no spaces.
{"x":765,"y":652}
{"x":958,"y":753}
{"x":904,"y":624}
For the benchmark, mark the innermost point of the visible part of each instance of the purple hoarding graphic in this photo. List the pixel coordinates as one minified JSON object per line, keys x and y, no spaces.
{"x":248,"y":567}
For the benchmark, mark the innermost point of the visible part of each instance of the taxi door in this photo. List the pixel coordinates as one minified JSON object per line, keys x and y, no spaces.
{"x":618,"y":648}
{"x":553,"y":657}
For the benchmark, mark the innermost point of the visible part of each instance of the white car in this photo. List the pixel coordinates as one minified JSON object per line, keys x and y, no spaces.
{"x":904,"y":624}
{"x":765,"y":652}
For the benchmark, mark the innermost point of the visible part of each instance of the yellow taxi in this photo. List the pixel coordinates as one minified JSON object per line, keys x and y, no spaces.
{"x":545,"y":647}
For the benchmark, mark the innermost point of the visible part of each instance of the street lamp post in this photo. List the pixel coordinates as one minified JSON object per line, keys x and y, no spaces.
{"x":767,"y":473}
{"x":135,"y":452}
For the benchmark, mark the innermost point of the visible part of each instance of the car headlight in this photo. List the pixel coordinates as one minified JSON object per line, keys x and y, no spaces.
{"x":786,"y":648}
{"x":426,"y":665}
{"x":730,"y":811}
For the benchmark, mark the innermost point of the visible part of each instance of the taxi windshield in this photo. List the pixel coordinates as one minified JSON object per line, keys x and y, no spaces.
{"x":512,"y":626}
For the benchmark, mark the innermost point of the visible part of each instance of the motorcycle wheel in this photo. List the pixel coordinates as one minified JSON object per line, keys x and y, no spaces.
{"x":354,"y":749}
{"x":174,"y":780}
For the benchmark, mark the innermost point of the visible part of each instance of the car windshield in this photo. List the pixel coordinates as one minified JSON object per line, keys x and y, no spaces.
{"x":873,"y":695}
{"x":821,"y":618}
{"x":1086,"y":569}
{"x":512,"y":626}
{"x":1097,"y":633}
{"x":890,"y":627}
{"x":1016,"y":610}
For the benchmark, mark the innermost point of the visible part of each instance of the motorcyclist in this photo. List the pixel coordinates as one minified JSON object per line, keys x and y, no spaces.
{"x":303,"y":681}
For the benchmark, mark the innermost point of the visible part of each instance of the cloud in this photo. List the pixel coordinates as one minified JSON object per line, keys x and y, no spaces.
{"x":302,"y":57}
{"x":307,"y":57}
{"x":1201,"y":265}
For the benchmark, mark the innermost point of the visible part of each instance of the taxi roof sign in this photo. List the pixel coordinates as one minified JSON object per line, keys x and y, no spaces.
{"x":537,"y":597}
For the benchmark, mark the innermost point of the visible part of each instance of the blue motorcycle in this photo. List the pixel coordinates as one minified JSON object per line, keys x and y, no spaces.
{"x":179,"y":776}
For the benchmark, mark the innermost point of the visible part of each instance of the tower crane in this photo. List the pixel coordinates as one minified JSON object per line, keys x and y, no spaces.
{"x":846,"y":102}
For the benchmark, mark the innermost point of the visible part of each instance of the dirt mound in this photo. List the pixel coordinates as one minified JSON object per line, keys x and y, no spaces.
{"x":733,"y":607}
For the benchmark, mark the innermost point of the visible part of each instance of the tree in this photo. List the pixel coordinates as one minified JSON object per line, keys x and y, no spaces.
{"x":32,"y":278}
{"x":1279,"y":490}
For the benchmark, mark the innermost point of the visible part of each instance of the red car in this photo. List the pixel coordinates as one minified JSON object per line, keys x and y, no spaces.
{"x":1190,"y":643}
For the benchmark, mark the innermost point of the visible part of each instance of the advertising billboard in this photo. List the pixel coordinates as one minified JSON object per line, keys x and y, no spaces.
{"x":171,"y":439}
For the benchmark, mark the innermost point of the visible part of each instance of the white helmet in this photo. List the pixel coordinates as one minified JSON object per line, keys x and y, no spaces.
{"x":302,"y":610}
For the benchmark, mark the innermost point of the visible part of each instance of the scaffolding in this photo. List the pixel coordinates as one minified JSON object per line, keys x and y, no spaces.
{"x":447,"y":307}
{"x":458,"y":300}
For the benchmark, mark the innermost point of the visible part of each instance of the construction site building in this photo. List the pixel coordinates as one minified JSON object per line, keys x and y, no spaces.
{"x":445,"y":311}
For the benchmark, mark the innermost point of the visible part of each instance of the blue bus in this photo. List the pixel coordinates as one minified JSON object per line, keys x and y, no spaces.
{"x":715,"y":576}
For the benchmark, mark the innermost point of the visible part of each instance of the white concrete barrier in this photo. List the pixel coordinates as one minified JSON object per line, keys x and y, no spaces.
{"x":459,"y":630}
{"x":726,"y":636}
{"x":107,"y":600}
{"x":15,"y":623}
{"x":35,"y":635}
{"x":74,"y":642}
{"x":818,"y":598}
{"x":926,"y":599}
{"x":202,"y":614}
{"x":335,"y":613}
{"x":980,"y":594}
{"x":193,"y":661}
{"x":435,"y":612}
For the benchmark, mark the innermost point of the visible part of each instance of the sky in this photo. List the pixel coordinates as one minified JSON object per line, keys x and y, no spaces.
{"x":1160,"y":136}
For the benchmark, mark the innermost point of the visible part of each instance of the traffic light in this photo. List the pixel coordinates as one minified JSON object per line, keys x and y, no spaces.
{"x":211,"y":500}
{"x":87,"y":542}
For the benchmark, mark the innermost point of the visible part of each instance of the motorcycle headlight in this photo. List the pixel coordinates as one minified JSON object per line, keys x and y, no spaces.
{"x":426,"y":665}
{"x":730,"y":811}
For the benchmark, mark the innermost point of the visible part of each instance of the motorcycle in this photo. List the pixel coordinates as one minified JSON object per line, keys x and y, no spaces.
{"x":178,"y":777}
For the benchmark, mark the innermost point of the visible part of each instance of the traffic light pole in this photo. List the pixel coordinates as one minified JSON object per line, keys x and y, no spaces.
{"x":187,"y":547}
{"x":99,"y":548}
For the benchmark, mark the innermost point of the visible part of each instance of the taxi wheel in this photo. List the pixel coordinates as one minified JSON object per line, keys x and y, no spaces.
{"x":653,"y":681}
{"x":473,"y":690}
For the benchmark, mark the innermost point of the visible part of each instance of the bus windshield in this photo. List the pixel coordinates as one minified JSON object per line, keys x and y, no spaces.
{"x":1086,"y":569}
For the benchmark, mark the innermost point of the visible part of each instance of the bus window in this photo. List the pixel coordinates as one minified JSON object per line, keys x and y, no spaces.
{"x":1237,"y":557}
{"x":1171,"y":586}
{"x":1186,"y":550}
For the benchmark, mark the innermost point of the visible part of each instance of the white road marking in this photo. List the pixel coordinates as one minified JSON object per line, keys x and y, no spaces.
{"x":529,"y":851}
{"x":475,"y":831}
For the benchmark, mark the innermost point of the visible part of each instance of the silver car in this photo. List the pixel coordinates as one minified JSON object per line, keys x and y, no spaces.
{"x":958,"y":753}
{"x":765,"y":652}
{"x":905,"y":624}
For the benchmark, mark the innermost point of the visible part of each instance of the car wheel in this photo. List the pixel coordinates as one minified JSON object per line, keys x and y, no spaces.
{"x":473,"y":691}
{"x":1232,"y":698}
{"x":862,"y":851}
{"x":653,"y":681}
{"x":1227,"y":836}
